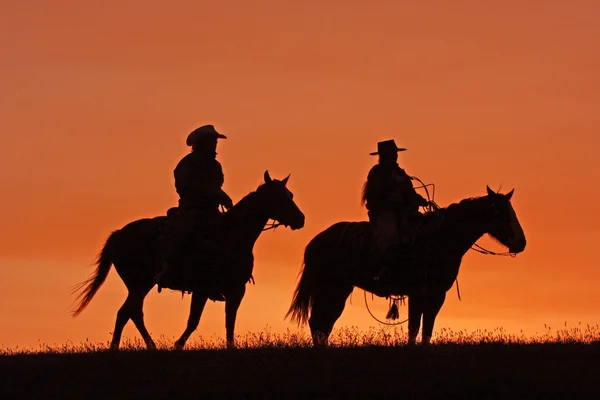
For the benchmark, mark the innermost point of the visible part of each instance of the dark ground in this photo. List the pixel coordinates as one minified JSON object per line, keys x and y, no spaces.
{"x":446,"y":371}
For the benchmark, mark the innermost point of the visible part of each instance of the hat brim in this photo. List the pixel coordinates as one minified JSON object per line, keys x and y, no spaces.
{"x":397,"y":149}
{"x":192,"y":138}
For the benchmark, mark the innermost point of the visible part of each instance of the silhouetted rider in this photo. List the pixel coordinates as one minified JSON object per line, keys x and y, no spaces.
{"x":392,"y":203}
{"x":199,"y":176}
{"x":198,"y":181}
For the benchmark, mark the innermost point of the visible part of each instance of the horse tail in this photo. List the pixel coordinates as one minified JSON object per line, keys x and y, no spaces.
{"x":302,"y":301}
{"x":314,"y":275}
{"x":90,"y":286}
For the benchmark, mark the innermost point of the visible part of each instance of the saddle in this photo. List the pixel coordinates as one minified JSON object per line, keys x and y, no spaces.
{"x":397,"y":269}
{"x":198,"y":256}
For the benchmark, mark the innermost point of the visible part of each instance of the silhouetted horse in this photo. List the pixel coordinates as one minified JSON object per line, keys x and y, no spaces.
{"x":337,"y":259}
{"x":135,"y":251}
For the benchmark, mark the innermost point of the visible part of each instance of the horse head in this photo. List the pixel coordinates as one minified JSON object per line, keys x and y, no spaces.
{"x":279,"y":202}
{"x":504,"y":225}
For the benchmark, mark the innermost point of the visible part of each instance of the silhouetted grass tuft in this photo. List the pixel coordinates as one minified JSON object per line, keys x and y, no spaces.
{"x":347,"y":337}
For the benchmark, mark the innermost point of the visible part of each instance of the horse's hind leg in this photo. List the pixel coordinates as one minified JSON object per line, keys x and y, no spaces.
{"x":328,"y":305}
{"x":137,"y":314}
{"x":122,"y":318}
{"x":132,"y":308}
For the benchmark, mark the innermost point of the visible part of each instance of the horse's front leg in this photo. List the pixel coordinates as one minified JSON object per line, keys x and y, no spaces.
{"x":196,"y":307}
{"x":415,"y":311}
{"x":432,"y":307}
{"x":233,"y":299}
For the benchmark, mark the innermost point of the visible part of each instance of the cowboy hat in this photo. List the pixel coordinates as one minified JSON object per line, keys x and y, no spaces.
{"x":386,"y":146}
{"x":203,"y":131}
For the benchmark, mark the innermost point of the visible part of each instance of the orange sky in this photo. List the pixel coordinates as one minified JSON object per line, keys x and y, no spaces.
{"x":96,"y":102}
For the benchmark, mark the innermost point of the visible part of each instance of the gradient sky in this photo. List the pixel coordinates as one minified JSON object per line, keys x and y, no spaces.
{"x":96,"y":101}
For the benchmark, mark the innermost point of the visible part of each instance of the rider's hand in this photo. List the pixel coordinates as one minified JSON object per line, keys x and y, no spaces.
{"x":226,"y":201}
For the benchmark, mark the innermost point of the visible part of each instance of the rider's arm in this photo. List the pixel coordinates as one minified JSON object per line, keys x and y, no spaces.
{"x":410,"y":194}
{"x":224,"y":198}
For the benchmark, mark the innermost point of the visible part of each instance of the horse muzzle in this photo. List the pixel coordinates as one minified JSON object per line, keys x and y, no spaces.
{"x":298,"y":224}
{"x":518,"y":246}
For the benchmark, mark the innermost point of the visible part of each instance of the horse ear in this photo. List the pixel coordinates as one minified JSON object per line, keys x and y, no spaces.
{"x":509,"y":194}
{"x":490,"y":192}
{"x":285,"y":181}
{"x":267,"y":177}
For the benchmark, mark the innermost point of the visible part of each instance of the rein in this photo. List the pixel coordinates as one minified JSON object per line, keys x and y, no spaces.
{"x":273,"y":225}
{"x":482,"y":250}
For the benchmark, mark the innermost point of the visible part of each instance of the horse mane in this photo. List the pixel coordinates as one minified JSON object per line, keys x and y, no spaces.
{"x":240,"y":206}
{"x":460,"y":204}
{"x":458,"y":209}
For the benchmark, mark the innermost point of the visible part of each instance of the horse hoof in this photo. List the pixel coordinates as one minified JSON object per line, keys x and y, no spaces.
{"x":151,"y":347}
{"x":179,"y":346}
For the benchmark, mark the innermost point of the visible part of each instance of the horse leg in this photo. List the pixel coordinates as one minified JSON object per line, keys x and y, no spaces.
{"x":327,"y":308}
{"x":415,"y":311}
{"x":122,"y":319}
{"x":233,"y":299}
{"x":196,"y":307}
{"x":127,"y":311}
{"x":432,"y":308}
{"x":137,"y":316}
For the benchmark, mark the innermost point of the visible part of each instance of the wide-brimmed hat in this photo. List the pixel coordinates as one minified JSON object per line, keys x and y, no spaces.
{"x":203,"y":131}
{"x":387,"y":146}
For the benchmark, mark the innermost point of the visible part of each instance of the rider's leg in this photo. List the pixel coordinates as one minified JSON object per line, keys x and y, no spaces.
{"x":209,"y":239}
{"x":407,"y":229}
{"x":178,"y":233}
{"x":385,"y":238}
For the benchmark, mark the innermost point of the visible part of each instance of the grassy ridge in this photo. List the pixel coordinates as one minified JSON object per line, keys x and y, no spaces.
{"x":372,"y":364}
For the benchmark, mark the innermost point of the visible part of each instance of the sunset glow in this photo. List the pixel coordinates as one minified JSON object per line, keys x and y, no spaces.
{"x":97,"y":100}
